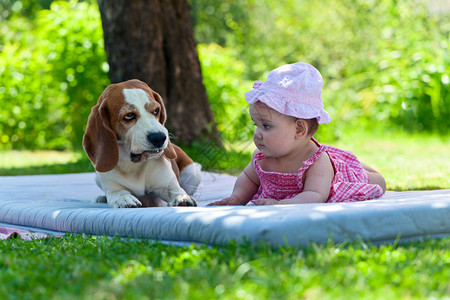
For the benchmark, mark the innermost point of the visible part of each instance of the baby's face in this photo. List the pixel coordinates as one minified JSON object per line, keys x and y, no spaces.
{"x":274,"y":133}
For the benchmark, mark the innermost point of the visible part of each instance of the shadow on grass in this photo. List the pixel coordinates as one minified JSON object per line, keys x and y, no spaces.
{"x":212,"y":158}
{"x":218,"y":159}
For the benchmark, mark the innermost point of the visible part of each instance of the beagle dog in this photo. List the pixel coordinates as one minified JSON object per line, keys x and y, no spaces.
{"x":134,"y":160}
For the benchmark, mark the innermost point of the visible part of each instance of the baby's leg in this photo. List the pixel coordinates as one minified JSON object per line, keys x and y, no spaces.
{"x":375,"y":177}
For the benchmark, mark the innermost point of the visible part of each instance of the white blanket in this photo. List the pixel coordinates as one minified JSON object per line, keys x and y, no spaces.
{"x":64,"y":203}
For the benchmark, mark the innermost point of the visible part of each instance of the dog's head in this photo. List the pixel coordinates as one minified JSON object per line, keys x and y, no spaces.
{"x":129,"y":113}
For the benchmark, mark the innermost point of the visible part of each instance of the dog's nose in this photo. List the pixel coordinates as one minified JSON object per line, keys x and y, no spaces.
{"x":157,"y":139}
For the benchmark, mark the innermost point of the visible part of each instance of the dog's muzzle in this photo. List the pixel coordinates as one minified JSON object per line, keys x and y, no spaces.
{"x":157,"y":141}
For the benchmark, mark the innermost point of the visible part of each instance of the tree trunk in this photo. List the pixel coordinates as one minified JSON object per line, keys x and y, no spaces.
{"x":152,"y":40}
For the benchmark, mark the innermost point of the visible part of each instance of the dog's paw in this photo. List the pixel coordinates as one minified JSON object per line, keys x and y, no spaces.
{"x":124,"y":201}
{"x":183,"y":200}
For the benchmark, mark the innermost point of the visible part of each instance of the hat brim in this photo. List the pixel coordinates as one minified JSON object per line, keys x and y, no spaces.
{"x":286,"y":107}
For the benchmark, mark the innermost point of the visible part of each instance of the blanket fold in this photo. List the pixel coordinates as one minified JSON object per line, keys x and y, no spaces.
{"x":64,"y":203}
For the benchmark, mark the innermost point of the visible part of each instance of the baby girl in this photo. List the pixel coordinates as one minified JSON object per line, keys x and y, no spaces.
{"x":290,"y":166}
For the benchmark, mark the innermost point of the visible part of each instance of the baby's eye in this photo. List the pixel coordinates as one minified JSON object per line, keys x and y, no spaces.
{"x":266,"y":126}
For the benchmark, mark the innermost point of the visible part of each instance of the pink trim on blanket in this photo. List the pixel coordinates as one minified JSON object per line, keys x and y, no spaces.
{"x":8,"y":233}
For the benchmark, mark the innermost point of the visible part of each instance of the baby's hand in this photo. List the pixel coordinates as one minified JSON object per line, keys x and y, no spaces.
{"x":228,"y":201}
{"x":263,"y":201}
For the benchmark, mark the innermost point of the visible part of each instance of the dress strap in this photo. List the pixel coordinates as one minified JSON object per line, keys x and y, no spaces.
{"x":258,"y":157}
{"x":307,"y":163}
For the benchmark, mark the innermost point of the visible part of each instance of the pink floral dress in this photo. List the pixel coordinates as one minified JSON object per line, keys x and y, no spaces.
{"x":350,"y":182}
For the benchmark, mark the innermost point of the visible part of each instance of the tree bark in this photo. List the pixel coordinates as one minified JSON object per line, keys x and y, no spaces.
{"x":153,"y":40}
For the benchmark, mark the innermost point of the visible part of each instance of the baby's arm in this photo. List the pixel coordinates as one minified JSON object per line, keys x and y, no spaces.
{"x":245,"y":188}
{"x":317,"y":184}
{"x":375,"y":177}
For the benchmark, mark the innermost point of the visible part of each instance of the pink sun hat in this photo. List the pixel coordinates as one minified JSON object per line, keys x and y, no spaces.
{"x":293,"y":90}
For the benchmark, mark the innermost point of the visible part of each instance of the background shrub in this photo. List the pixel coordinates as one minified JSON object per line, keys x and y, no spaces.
{"x":52,"y":70}
{"x":385,"y":63}
{"x":225,"y":84}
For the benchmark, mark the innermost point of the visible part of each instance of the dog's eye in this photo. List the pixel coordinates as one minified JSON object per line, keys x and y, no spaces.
{"x":156,"y":112}
{"x":129,"y":117}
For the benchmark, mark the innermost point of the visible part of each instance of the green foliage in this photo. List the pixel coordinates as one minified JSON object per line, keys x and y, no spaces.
{"x":385,"y":62}
{"x":79,"y":266}
{"x":216,"y":22}
{"x":24,"y":8}
{"x":225,"y":84}
{"x":51,"y":72}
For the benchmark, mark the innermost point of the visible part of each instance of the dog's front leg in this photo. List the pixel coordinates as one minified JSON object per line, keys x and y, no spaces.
{"x":174,"y":195}
{"x":181,"y":199}
{"x":116,"y":194}
{"x":122,"y":199}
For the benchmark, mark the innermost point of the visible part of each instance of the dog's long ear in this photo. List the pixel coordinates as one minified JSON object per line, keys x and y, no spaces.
{"x":169,"y":152}
{"x":163,"y":114}
{"x":99,"y":140}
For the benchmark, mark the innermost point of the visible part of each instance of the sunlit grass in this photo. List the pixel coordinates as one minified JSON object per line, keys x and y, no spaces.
{"x":42,"y":162}
{"x":406,"y":161}
{"x":21,"y":159}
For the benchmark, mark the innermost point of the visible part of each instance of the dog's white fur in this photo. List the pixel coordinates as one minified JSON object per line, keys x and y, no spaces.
{"x":135,"y":112}
{"x":136,"y":137}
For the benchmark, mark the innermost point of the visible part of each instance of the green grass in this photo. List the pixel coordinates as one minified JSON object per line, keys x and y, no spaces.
{"x":78,"y":266}
{"x":14,"y":163}
{"x":408,"y":162}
